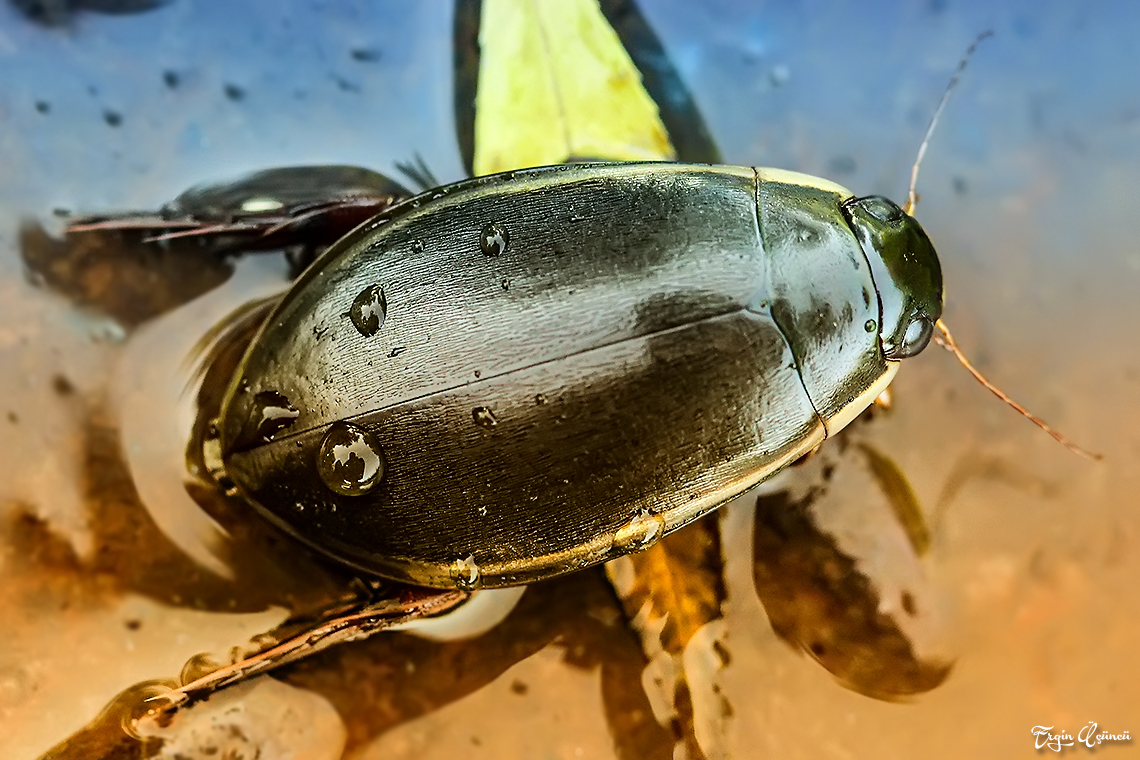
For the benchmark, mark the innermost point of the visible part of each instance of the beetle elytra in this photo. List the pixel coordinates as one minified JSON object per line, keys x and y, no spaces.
{"x":521,"y":375}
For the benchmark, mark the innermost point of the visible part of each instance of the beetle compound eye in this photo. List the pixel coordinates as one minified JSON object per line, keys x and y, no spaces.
{"x":918,"y":334}
{"x":883,"y":210}
{"x":350,"y":460}
{"x":905,"y":268}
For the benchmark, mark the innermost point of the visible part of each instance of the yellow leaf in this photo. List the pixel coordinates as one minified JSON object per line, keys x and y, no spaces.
{"x":555,"y":84}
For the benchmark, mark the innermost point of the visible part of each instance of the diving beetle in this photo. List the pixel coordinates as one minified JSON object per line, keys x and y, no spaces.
{"x":521,"y":375}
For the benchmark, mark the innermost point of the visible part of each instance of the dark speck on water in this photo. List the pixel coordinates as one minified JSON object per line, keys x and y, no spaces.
{"x":365,"y":55}
{"x":842,"y":165}
{"x":233,"y":92}
{"x":346,"y":85}
{"x":43,"y":106}
{"x":62,"y":386}
{"x":113,"y":118}
{"x":171,"y":79}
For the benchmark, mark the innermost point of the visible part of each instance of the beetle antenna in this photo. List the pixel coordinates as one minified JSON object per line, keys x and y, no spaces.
{"x":946,"y":340}
{"x":912,"y":194}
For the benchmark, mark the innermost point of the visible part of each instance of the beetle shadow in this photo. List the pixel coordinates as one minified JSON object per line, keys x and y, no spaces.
{"x":390,"y":679}
{"x":117,"y":274}
{"x":851,"y":605}
{"x":131,"y":554}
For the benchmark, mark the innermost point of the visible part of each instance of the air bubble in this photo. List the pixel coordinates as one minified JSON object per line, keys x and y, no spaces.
{"x":484,"y":417}
{"x":465,"y":574}
{"x":493,"y":239}
{"x":350,"y":460}
{"x":369,"y":310}
{"x":276,"y":413}
{"x":870,"y":326}
{"x":640,"y":533}
{"x":198,"y":666}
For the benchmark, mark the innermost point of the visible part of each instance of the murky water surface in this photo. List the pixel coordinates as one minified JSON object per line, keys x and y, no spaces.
{"x":113,"y":576}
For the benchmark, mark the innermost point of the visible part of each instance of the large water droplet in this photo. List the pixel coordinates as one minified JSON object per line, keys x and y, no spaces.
{"x":350,"y":460}
{"x":493,"y":239}
{"x":465,"y":574}
{"x":369,"y":310}
{"x":484,"y":417}
{"x":276,"y":413}
{"x":640,"y":533}
{"x":870,"y":326}
{"x":417,"y":246}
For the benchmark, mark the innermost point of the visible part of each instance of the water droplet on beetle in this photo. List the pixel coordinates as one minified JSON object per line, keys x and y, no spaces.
{"x":870,"y":325}
{"x":465,"y":574}
{"x":640,"y":533}
{"x":350,"y":460}
{"x":505,"y":283}
{"x":493,"y":240}
{"x":417,"y":246}
{"x":484,"y":417}
{"x":276,"y":413}
{"x":540,"y":399}
{"x":369,"y":310}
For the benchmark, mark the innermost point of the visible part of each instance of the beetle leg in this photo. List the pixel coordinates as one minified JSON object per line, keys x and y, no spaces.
{"x":341,"y":625}
{"x":264,"y":211}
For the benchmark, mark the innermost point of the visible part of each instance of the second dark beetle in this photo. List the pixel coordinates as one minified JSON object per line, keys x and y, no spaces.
{"x":521,"y":375}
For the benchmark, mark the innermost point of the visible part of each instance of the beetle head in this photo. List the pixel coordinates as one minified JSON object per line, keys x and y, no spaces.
{"x":905,"y":268}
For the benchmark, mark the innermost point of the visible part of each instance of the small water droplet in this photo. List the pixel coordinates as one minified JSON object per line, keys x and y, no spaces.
{"x":505,"y":283}
{"x":870,"y":325}
{"x":418,"y":246}
{"x":640,"y":533}
{"x":540,"y":399}
{"x":350,"y":460}
{"x":396,"y":351}
{"x":478,"y":374}
{"x":369,"y":310}
{"x":484,"y":417}
{"x":276,"y":413}
{"x":493,"y":239}
{"x":483,"y":511}
{"x":465,"y":573}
